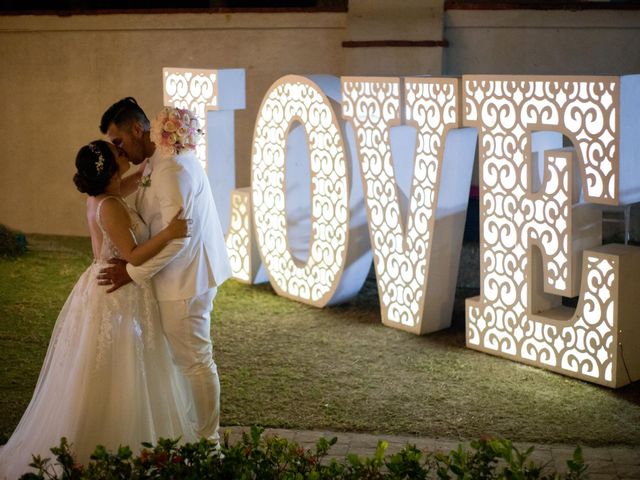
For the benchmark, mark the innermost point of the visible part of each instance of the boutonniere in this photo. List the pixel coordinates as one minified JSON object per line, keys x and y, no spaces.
{"x":145,"y":181}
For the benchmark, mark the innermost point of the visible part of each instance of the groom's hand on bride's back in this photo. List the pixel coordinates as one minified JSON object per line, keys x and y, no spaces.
{"x":114,"y":276}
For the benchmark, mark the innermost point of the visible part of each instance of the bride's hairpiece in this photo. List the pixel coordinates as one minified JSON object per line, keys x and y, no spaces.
{"x":100,"y":162}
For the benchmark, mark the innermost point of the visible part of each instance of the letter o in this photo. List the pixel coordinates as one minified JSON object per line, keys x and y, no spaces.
{"x":293,"y":99}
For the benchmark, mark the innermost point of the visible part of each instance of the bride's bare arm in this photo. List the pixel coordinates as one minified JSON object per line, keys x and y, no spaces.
{"x":117,"y":224}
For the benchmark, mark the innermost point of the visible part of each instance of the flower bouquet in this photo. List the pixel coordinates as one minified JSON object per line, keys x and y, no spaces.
{"x":174,"y":130}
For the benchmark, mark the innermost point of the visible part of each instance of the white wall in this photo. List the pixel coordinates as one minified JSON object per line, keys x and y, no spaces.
{"x":590,"y":42}
{"x":59,"y":74}
{"x":383,"y":20}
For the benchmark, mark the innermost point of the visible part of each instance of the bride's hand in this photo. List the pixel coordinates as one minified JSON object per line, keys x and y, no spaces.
{"x":179,"y":227}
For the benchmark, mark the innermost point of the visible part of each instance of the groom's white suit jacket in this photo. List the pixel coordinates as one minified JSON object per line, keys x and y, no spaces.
{"x":190,"y":266}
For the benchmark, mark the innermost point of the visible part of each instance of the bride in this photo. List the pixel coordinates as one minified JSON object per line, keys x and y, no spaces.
{"x":107,"y":377}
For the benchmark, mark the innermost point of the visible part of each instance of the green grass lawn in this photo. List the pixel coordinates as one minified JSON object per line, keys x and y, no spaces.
{"x":284,"y":364}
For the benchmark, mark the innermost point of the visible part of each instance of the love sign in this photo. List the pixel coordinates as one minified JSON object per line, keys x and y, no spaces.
{"x":346,"y":170}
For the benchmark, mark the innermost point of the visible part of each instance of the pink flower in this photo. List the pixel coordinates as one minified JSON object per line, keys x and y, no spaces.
{"x":175,"y":129}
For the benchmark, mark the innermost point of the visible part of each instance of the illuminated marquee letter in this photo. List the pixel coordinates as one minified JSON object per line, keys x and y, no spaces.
{"x":213,"y":95}
{"x":416,"y":262}
{"x":297,"y":127}
{"x":241,"y":247}
{"x":529,"y":239}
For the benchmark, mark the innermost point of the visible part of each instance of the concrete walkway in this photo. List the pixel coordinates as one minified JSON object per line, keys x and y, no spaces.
{"x":605,"y":463}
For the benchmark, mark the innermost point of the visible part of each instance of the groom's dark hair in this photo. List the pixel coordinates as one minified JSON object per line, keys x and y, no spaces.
{"x":124,"y":112}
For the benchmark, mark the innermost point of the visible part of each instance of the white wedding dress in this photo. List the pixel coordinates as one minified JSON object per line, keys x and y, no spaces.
{"x":107,"y":377}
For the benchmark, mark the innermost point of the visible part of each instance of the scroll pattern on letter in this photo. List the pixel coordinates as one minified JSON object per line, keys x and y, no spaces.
{"x":503,"y":319}
{"x":401,"y":251}
{"x":298,"y":99}
{"x":239,"y":236}
{"x":196,"y":90}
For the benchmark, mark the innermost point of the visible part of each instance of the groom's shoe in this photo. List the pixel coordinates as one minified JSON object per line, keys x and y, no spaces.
{"x":217,"y":449}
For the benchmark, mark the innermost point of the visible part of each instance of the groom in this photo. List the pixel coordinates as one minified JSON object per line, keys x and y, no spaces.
{"x":186,"y":273}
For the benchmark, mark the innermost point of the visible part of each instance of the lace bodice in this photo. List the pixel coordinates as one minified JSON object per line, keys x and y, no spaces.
{"x":139,"y":231}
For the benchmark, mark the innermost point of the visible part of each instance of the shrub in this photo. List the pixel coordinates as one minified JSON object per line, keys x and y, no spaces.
{"x":259,"y":457}
{"x":12,"y":244}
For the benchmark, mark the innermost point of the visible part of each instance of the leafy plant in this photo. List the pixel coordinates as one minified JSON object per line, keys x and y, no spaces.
{"x":12,"y":244}
{"x":258,"y":457}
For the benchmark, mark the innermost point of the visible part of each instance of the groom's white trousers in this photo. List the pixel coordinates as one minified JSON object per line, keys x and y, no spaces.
{"x":187,"y":326}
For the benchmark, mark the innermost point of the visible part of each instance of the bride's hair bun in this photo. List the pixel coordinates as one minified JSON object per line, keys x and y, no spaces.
{"x":95,"y":165}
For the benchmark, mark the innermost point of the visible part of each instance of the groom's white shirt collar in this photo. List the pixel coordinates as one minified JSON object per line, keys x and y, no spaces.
{"x":153,"y":160}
